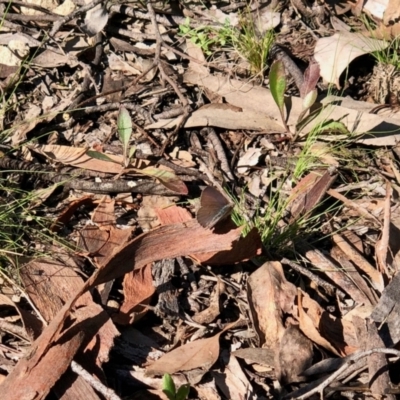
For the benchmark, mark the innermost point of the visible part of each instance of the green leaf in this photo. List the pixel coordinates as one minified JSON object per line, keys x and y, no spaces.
{"x":309,"y":99}
{"x":124,"y":126}
{"x":277,"y":82}
{"x":335,"y":127}
{"x":168,"y":386}
{"x":183,"y":392}
{"x":131,"y":152}
{"x":167,"y":178}
{"x":100,"y":156}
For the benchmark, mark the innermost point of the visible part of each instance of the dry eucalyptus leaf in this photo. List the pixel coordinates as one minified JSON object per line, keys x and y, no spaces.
{"x":96,"y":19}
{"x":289,"y":368}
{"x":249,"y":158}
{"x":14,"y":53}
{"x":202,"y":353}
{"x":269,"y":295}
{"x":335,"y":53}
{"x":392,"y":12}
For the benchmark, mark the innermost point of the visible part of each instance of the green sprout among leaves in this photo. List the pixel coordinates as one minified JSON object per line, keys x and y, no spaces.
{"x":170,"y":390}
{"x":124,"y":126}
{"x":277,"y":81}
{"x":207,"y":38}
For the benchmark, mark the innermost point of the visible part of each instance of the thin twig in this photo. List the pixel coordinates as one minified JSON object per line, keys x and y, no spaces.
{"x":164,"y":76}
{"x":351,"y":360}
{"x":108,"y":393}
{"x":219,"y":150}
{"x":320,"y":282}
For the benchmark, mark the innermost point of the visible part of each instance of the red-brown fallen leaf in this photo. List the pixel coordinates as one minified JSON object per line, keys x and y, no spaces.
{"x":173,"y":215}
{"x":309,"y":192}
{"x":69,"y":211}
{"x":104,"y":215}
{"x":49,"y":284}
{"x":35,"y":384}
{"x":138,"y":289}
{"x":78,"y":157}
{"x":243,"y":249}
{"x":71,"y":387}
{"x":102,"y":244}
{"x":309,"y":328}
{"x":202,"y":353}
{"x":32,"y":325}
{"x":164,"y":242}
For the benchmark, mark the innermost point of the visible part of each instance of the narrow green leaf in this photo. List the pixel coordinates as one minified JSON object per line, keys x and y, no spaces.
{"x":309,"y":99}
{"x":131,"y":152}
{"x":183,"y":392}
{"x":335,"y":127}
{"x":166,"y":178}
{"x":277,"y":82}
{"x":100,"y":156}
{"x":124,"y":126}
{"x":168,"y":386}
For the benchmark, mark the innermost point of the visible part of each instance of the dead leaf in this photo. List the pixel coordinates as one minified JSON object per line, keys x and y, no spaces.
{"x":138,"y":288}
{"x":78,"y":157}
{"x":289,"y":368}
{"x":375,"y":276}
{"x":392,"y":12}
{"x":35,"y":384}
{"x":166,"y":178}
{"x":367,"y":128}
{"x":378,"y":369}
{"x":306,"y":195}
{"x":269,"y":296}
{"x":232,"y":382}
{"x":243,"y":249}
{"x":209,"y":314}
{"x":95,"y":20}
{"x":223,"y":116}
{"x":309,"y":328}
{"x":172,"y":241}
{"x":202,"y":353}
{"x":335,"y":53}
{"x":249,"y":158}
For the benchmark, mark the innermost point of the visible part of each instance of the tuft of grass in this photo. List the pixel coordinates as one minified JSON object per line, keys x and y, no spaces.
{"x":253,"y":45}
{"x":23,"y":230}
{"x":208,"y":38}
{"x":390,"y":55}
{"x":277,"y":235}
{"x":246,"y":40}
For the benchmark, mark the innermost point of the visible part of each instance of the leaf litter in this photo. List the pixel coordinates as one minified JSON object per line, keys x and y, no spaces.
{"x":173,"y":204}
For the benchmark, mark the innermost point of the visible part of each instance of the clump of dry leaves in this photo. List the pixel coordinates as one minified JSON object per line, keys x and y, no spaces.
{"x":174,"y":209}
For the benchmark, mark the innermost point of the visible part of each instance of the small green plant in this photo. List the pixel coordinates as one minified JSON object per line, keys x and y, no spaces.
{"x":252,"y":45}
{"x":390,"y":55}
{"x":168,"y":387}
{"x":308,"y":91}
{"x":208,"y":38}
{"x":246,"y":40}
{"x":277,"y":82}
{"x":124,"y":126}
